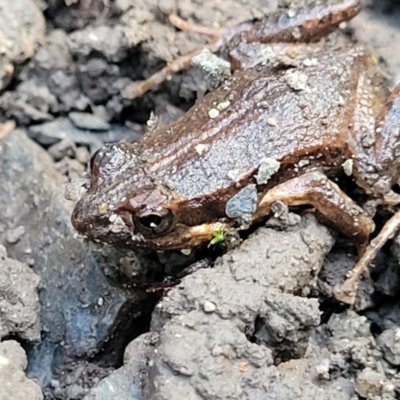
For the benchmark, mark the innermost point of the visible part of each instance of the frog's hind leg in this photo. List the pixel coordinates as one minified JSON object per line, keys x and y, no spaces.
{"x":303,"y":24}
{"x":346,"y":291}
{"x":387,"y":137}
{"x":316,"y":189}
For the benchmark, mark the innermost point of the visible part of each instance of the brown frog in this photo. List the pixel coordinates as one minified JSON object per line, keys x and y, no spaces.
{"x":278,"y":130}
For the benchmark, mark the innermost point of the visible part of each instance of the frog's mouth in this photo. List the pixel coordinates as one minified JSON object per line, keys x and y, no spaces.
{"x":156,"y":228}
{"x":182,"y":237}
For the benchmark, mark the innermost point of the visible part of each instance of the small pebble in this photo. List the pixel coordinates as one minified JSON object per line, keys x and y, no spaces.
{"x":242,"y":204}
{"x":224,"y":104}
{"x":14,"y":235}
{"x":268,"y":167}
{"x":82,"y":154}
{"x":64,"y":148}
{"x":88,"y":121}
{"x":213,"y":113}
{"x":75,"y":189}
{"x":209,"y":307}
{"x":308,"y":62}
{"x":323,"y":369}
{"x":200,"y":149}
{"x":348,"y":167}
{"x":217,"y":350}
{"x":296,"y":80}
{"x":215,"y":70}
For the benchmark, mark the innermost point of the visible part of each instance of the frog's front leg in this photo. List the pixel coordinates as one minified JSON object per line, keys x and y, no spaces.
{"x":316,"y":189}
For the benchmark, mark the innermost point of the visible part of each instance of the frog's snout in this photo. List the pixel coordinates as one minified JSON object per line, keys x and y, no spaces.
{"x":84,"y":217}
{"x":77,"y":219}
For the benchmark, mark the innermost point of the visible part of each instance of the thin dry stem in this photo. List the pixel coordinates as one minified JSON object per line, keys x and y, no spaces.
{"x":346,"y":292}
{"x":217,"y":38}
{"x":213,"y":33}
{"x":6,"y":128}
{"x":135,"y":90}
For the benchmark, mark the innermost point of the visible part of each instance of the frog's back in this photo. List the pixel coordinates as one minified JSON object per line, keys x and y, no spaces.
{"x":298,"y":116}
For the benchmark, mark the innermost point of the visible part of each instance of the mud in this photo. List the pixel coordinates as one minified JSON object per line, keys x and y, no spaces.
{"x":255,"y":323}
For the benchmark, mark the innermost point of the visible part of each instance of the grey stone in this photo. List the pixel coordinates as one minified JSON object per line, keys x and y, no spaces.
{"x":13,"y":235}
{"x":268,"y":167}
{"x":22,"y":26}
{"x":389,"y":342}
{"x":19,"y":300}
{"x":129,"y":381}
{"x":369,"y":383}
{"x":14,"y":384}
{"x":60,"y":129}
{"x":74,"y":322}
{"x":243,"y":203}
{"x":214,"y":69}
{"x":88,"y":121}
{"x":347,"y":336}
{"x":111,"y":41}
{"x":61,"y":149}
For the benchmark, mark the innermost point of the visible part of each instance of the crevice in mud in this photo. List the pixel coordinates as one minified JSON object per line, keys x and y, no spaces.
{"x":130,"y":323}
{"x":283,"y":348}
{"x":79,"y":15}
{"x":329,"y":307}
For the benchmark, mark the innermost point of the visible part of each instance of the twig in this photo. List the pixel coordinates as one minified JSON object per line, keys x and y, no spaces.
{"x":6,"y":128}
{"x":217,"y":37}
{"x":346,"y":291}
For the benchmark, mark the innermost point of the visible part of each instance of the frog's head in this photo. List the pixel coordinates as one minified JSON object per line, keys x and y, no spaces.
{"x":126,"y":208}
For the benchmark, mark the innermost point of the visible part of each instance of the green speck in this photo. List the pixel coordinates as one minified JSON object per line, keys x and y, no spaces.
{"x":219,"y":237}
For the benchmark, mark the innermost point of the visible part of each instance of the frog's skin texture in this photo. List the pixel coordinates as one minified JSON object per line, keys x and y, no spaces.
{"x":322,"y":109}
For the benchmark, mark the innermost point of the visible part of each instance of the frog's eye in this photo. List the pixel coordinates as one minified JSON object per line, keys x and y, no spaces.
{"x":154,"y":223}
